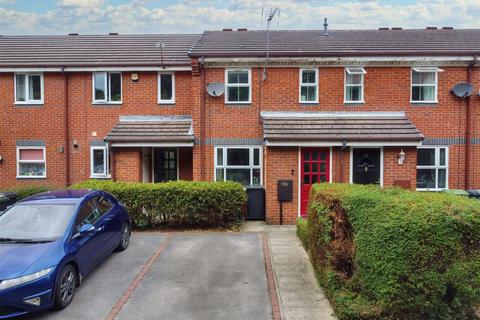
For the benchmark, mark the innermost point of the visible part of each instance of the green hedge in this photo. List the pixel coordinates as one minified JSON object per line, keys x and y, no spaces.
{"x":394,"y":254}
{"x":29,"y":190}
{"x":178,"y":203}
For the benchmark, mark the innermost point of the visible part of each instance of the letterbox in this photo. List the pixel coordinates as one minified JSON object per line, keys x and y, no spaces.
{"x":284,"y":190}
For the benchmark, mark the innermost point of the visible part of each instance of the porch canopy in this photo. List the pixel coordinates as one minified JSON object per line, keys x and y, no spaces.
{"x":339,"y":129}
{"x":152,"y":131}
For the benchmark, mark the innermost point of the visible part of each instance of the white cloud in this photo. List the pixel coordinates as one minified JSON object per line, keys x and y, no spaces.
{"x":97,"y":16}
{"x":81,"y":3}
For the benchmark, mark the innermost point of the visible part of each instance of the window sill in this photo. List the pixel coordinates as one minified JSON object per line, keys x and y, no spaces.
{"x":166,"y":103}
{"x":31,"y":177}
{"x":29,"y":104}
{"x":242,"y":104}
{"x":101,"y":177}
{"x":308,"y":102}
{"x":424,"y":103}
{"x":107,"y":104}
{"x":354,"y":103}
{"x":430,"y":190}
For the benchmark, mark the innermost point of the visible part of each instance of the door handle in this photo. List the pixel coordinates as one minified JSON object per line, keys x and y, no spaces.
{"x":100,"y":229}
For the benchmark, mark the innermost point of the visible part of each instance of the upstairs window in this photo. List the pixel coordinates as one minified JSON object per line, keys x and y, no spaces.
{"x":432,"y":168}
{"x":308,"y":85}
{"x":424,"y":84}
{"x":239,"y":164}
{"x":31,"y":162}
{"x":107,"y":87}
{"x":166,"y":88}
{"x":354,"y":84}
{"x":29,"y":88}
{"x":238,"y":86}
{"x":99,"y":162}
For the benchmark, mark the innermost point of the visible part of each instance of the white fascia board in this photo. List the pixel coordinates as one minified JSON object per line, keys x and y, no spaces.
{"x":120,"y":69}
{"x":30,"y":70}
{"x":332,"y":114}
{"x":343,"y":59}
{"x":153,"y":144}
{"x":339,"y":144}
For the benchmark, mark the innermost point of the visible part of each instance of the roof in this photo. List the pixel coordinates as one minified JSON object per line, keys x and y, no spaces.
{"x":95,"y":50}
{"x":63,"y":196}
{"x":339,"y":127}
{"x":152,"y":129}
{"x":338,"y":42}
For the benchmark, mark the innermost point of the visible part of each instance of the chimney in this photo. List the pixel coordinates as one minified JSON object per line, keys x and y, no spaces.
{"x":113,"y":34}
{"x":431,"y":28}
{"x":225,"y":29}
{"x":325,"y":27}
{"x":447,"y":28}
{"x":73,"y":34}
{"x":242,"y":29}
{"x":397,"y":28}
{"x":384,"y":28}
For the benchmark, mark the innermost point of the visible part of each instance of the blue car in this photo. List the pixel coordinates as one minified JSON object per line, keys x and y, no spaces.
{"x":49,"y":242}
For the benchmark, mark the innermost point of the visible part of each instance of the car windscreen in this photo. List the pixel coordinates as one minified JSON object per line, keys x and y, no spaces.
{"x":36,"y":221}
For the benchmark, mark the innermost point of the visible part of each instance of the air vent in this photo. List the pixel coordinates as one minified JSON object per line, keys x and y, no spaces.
{"x":73,"y":34}
{"x":447,"y":28}
{"x":227,"y":29}
{"x":431,"y":28}
{"x":113,"y":34}
{"x":242,"y":29}
{"x":384,"y":28}
{"x":397,"y":28}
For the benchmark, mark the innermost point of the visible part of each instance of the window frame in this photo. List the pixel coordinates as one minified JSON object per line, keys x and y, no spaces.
{"x":301,"y":84}
{"x":159,"y":88}
{"x":347,"y":72}
{"x":106,"y":174}
{"x":250,"y":166}
{"x":236,"y":85}
{"x":44,"y":162}
{"x":434,"y":70}
{"x":27,"y":83}
{"x":108,"y":86}
{"x":436,"y":166}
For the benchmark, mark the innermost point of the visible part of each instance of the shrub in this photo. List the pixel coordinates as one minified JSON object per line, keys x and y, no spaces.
{"x":29,"y":190}
{"x":302,"y":225}
{"x":395,"y":254}
{"x":177,"y":203}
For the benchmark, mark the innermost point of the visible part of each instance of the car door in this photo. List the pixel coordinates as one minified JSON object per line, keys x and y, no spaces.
{"x":87,"y":246}
{"x":109,"y":222}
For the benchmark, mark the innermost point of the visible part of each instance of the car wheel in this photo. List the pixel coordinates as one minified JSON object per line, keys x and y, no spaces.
{"x":124,"y":238}
{"x":65,"y":287}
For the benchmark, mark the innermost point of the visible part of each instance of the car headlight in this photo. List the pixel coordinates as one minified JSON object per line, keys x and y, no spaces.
{"x":5,"y":284}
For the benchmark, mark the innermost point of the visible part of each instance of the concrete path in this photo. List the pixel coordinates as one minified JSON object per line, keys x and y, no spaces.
{"x":299,"y":294}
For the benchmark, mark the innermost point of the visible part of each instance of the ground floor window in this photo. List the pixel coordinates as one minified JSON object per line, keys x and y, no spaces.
{"x":99,"y":162}
{"x":31,"y":162}
{"x":240,"y":164}
{"x":432,"y":168}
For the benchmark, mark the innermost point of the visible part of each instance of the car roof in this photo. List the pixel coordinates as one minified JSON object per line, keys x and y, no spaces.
{"x":60,"y":196}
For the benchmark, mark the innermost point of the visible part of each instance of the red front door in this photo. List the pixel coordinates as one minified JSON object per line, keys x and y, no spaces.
{"x":315,"y":168}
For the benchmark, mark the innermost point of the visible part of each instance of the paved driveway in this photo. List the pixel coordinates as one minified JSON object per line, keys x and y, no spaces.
{"x":180,"y":276}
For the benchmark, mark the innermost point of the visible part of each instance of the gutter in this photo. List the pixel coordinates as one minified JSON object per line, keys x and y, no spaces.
{"x":202,"y":119}
{"x":470,"y":68}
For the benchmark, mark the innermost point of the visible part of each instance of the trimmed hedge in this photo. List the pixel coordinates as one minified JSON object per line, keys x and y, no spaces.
{"x":394,"y":254}
{"x":29,"y":190}
{"x":177,"y":203}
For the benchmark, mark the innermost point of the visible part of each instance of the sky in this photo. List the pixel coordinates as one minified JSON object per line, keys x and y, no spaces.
{"x":195,"y":16}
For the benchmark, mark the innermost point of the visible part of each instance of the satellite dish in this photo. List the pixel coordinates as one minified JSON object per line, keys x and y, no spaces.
{"x":216,"y":89}
{"x":462,"y":89}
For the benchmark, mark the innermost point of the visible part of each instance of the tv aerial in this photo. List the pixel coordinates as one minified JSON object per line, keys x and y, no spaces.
{"x":215,"y":89}
{"x":462,"y":90}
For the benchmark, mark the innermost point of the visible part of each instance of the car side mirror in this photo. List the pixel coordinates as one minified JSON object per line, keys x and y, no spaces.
{"x":85,"y":229}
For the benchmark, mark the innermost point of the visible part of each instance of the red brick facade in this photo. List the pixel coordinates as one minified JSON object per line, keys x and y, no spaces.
{"x":68,"y":114}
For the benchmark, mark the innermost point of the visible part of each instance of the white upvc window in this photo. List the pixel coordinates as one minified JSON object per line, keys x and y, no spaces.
{"x":107,"y":87}
{"x":28,"y":88}
{"x":424,"y":88}
{"x":99,"y":162}
{"x":432,"y":168}
{"x":354,"y":77}
{"x":308,"y":92}
{"x":31,"y":162}
{"x":239,"y":164}
{"x":238,"y":85}
{"x":166,"y":88}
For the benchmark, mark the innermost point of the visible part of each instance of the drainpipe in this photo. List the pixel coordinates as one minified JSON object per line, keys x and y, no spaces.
{"x":66,"y":128}
{"x":470,"y":68}
{"x":202,"y":120}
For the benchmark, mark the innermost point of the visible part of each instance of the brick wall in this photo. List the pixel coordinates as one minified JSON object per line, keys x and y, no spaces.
{"x":127,"y":164}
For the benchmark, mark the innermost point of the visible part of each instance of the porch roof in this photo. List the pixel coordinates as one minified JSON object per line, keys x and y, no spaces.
{"x":339,"y":128}
{"x":145,"y":131}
